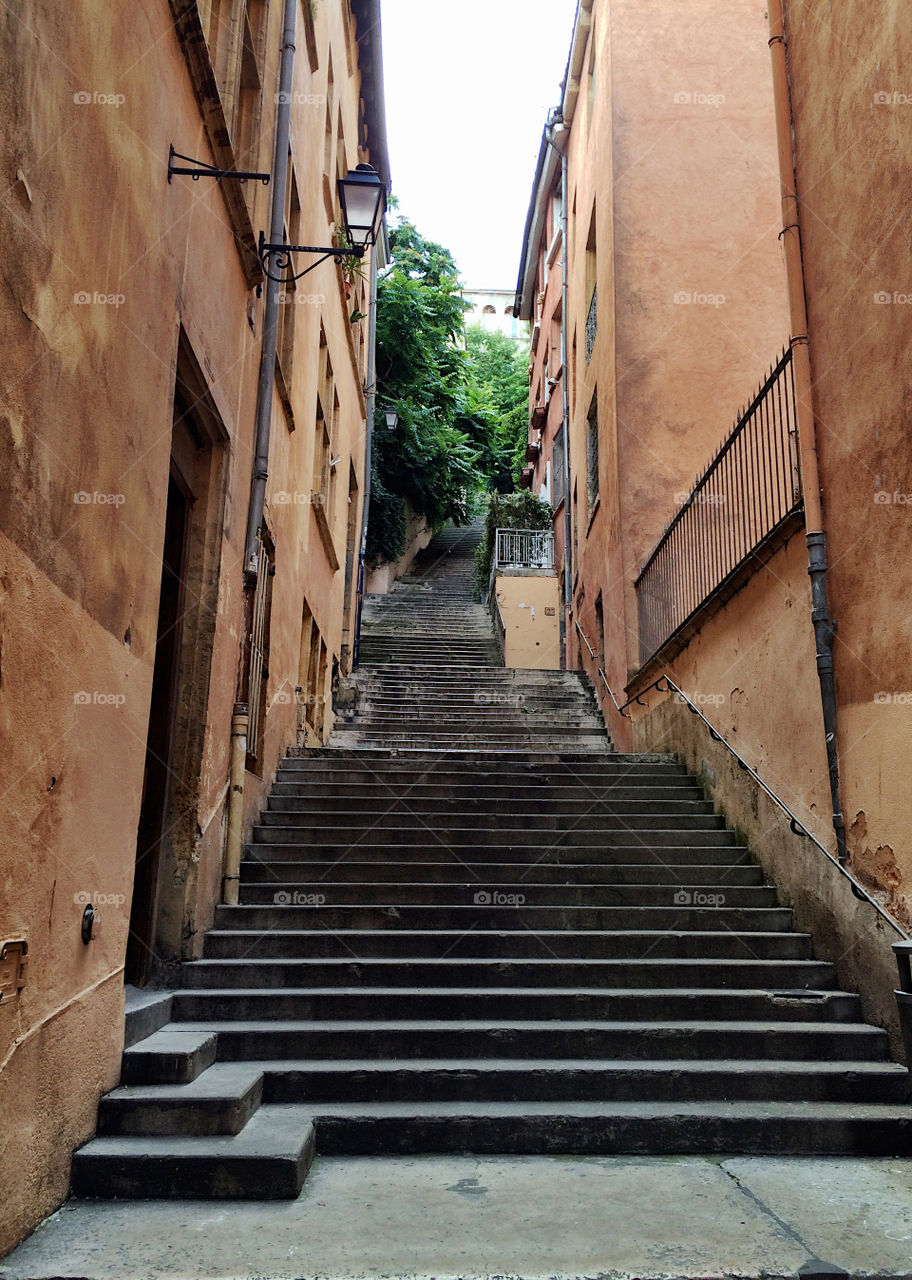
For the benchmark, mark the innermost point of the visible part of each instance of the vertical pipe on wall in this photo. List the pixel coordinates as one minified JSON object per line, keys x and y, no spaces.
{"x":558,"y":129}
{"x":371,"y":399}
{"x":266,"y":383}
{"x":235,"y":837}
{"x":807,"y":437}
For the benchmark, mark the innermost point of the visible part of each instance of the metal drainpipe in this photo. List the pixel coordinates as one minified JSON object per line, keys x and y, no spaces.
{"x":240,"y":719}
{"x":266,"y":382}
{"x":565,"y":387}
{"x":824,"y":627}
{"x":235,"y":837}
{"x":368,"y":446}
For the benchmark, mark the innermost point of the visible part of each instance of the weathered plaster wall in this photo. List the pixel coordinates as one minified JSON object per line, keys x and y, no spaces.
{"x":690,"y":283}
{"x":382,"y":578}
{"x":103,"y":263}
{"x":532,"y":636}
{"x":847,"y":932}
{"x":852,"y":108}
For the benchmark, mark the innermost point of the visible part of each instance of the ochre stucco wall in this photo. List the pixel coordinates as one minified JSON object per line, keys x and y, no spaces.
{"x":692,"y":307}
{"x":531,"y":635}
{"x":88,"y":407}
{"x":852,"y":108}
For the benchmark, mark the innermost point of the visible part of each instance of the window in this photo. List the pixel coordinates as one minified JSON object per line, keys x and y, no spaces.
{"x":600,"y":630}
{"x":557,"y":455}
{"x":288,"y":295}
{"x":591,"y":287}
{"x":489,"y":311}
{"x":592,"y":457}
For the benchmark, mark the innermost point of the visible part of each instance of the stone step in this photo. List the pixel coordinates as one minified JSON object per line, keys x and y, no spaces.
{"x":554,"y":1079}
{"x":507,"y":972}
{"x":521,"y":856}
{"x":353,"y":871}
{"x":385,"y":1005}
{"x":428,"y":797}
{"x":391,"y":916}
{"x":408,"y":1039}
{"x":168,"y":1057}
{"x":520,"y":895}
{"x":665,"y":945}
{"x":220,"y":1101}
{"x":609,"y":832}
{"x":144,"y":1012}
{"x":554,"y":815}
{"x":593,"y":1128}
{"x":268,"y":1160}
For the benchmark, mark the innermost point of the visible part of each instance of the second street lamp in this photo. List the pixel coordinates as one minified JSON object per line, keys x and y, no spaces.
{"x":362,"y":196}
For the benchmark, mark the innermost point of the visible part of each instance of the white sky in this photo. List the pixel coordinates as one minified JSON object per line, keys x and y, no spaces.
{"x":469,"y":84}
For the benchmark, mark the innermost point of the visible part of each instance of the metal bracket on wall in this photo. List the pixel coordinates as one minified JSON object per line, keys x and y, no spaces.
{"x":13,"y":968}
{"x":203,"y":170}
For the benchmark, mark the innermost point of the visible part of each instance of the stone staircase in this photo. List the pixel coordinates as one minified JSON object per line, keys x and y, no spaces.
{"x":489,"y":945}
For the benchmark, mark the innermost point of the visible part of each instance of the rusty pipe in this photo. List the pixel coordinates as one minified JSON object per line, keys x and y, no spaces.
{"x":234,"y":842}
{"x":824,"y":627}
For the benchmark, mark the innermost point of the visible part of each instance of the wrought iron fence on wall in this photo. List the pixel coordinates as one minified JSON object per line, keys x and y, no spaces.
{"x":745,"y":495}
{"x":524,"y":549}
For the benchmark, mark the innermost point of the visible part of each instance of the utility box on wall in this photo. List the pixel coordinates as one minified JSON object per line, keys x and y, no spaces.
{"x":529,"y":604}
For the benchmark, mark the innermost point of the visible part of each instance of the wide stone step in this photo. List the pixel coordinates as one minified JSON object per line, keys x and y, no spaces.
{"x":426,"y":797}
{"x":168,"y":1057}
{"x":473,"y":974}
{"x":518,"y":895}
{"x":391,"y":916}
{"x":352,"y":871}
{"x":592,"y":1128}
{"x":522,"y":856}
{"x":486,"y":944}
{"x":555,"y":815}
{"x":553,"y":1079}
{"x":410,"y":1039}
{"x":220,"y":1101}
{"x":387,"y":1004}
{"x":267,"y":1160}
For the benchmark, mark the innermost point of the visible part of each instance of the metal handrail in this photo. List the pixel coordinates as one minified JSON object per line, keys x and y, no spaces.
{"x":600,"y":671}
{"x":797,"y":827}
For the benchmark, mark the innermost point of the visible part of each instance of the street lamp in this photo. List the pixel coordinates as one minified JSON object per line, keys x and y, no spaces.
{"x":392,"y":419}
{"x":362,"y":196}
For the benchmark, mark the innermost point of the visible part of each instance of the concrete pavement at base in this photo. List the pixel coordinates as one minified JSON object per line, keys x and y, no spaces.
{"x":513,"y":1218}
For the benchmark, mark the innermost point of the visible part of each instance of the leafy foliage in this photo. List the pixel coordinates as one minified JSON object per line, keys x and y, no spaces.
{"x":462,"y":409}
{"x":499,"y":371}
{"x":521,"y":510}
{"x":430,"y":460}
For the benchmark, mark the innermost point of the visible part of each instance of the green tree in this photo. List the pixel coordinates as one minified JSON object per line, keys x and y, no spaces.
{"x":431,"y":460}
{"x":499,"y":371}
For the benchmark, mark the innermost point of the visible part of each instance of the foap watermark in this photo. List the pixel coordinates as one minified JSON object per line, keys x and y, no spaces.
{"x":884,"y":498}
{"x":90,"y":98}
{"x":84,"y":898}
{"x":892,"y":98}
{"x":884,"y":298}
{"x":495,"y":898}
{"x":86,"y":299}
{"x":300,"y":498}
{"x":83,"y":498}
{"x":299,"y":99}
{"x":499,"y":699}
{"x":299,"y":899}
{"x":893,"y":698}
{"x":888,"y":898}
{"x":697,"y":898}
{"x":702,"y":699}
{"x":297,"y":299}
{"x":699,"y":499}
{"x":96,"y":698}
{"x":696,"y":98}
{"x":686,"y":298}
{"x":284,"y":698}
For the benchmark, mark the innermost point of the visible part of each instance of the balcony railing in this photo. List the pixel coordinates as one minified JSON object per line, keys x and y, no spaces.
{"x":524,"y":549}
{"x":748,"y":492}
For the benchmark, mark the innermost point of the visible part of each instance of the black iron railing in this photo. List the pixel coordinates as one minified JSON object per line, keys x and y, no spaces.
{"x":742,"y":499}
